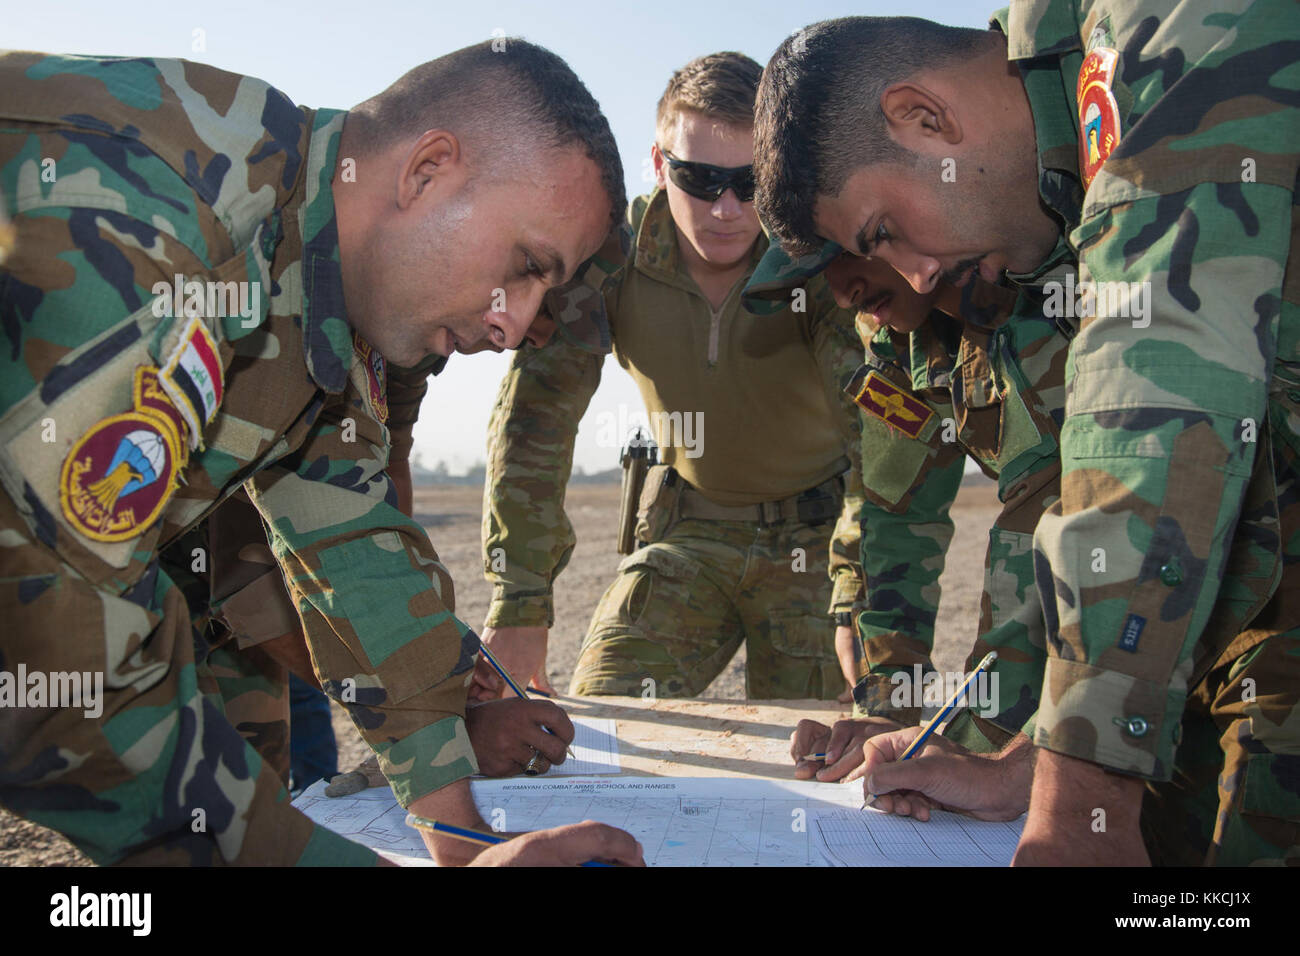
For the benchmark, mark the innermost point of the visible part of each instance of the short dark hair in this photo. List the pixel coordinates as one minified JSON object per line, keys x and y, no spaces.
{"x":503,"y":84}
{"x":818,"y":117}
{"x":721,"y":86}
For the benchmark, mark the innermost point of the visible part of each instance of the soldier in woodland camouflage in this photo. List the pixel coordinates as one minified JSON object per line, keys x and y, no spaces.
{"x":1146,"y":153}
{"x":757,"y":426}
{"x":950,"y":376}
{"x":131,"y":408}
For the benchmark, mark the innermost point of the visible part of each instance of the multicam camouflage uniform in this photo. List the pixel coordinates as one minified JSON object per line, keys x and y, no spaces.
{"x":1170,"y":568}
{"x":712,"y":573}
{"x":988,"y":389}
{"x":121,"y":427}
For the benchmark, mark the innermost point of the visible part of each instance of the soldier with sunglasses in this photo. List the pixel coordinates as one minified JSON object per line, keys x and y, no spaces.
{"x":745,"y":532}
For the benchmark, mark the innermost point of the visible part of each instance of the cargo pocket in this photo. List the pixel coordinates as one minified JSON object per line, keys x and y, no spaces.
{"x":649,"y":625}
{"x":801,"y":660}
{"x":637,"y":584}
{"x":802,"y":634}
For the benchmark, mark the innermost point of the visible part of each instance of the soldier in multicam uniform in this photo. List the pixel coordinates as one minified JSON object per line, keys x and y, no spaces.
{"x":133,"y":402}
{"x":1154,"y":145}
{"x":733,"y":541}
{"x":956,"y":375}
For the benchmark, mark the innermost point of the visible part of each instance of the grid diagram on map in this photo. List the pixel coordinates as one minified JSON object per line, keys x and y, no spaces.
{"x":691,"y":821}
{"x":680,"y":821}
{"x":874,"y":838}
{"x":372,"y":817}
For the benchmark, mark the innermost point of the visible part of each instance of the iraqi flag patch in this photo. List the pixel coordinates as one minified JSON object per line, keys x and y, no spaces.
{"x":192,"y":379}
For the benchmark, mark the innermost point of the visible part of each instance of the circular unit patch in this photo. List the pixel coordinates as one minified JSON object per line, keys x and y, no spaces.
{"x":118,"y":477}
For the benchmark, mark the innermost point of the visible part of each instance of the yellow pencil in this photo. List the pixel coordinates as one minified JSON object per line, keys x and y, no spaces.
{"x":938,"y":718}
{"x":519,"y":691}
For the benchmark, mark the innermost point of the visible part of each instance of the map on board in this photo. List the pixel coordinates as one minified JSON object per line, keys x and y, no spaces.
{"x":680,"y":821}
{"x":684,"y":821}
{"x":874,"y":838}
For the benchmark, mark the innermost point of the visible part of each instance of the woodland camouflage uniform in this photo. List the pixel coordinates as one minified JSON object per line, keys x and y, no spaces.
{"x":124,"y":422}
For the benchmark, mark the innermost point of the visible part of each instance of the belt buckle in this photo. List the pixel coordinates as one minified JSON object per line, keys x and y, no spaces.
{"x":769,"y":513}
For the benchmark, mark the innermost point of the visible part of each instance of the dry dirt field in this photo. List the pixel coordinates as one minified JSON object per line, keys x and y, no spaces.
{"x":451,"y":514}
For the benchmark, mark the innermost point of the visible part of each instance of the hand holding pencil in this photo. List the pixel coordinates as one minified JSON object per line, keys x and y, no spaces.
{"x":945,"y":775}
{"x":580,"y":844}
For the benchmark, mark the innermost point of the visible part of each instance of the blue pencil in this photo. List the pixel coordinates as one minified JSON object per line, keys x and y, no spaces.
{"x":934,"y":721}
{"x":519,"y":692}
{"x":463,"y":833}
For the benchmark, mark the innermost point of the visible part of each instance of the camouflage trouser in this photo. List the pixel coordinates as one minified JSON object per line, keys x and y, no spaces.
{"x":680,"y":608}
{"x":1235,"y":794}
{"x":1234,"y":799}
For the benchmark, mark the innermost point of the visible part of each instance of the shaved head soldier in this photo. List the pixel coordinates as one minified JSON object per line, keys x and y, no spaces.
{"x":206,"y":298}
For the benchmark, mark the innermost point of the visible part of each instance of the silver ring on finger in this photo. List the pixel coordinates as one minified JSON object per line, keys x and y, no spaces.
{"x":530,"y":768}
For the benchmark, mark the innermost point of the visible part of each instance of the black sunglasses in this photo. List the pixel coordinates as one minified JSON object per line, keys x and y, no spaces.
{"x":709,"y":182}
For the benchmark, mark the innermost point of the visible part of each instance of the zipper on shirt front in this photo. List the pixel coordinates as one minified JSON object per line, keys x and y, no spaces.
{"x":715,"y":330}
{"x":715,"y":318}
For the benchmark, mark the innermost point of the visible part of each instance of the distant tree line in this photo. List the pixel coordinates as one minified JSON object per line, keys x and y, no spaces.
{"x":439,"y":474}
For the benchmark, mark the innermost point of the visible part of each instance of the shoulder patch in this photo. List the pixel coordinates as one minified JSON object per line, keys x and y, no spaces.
{"x":191,"y":377}
{"x":1099,"y":128}
{"x":376,"y":377}
{"x":878,"y":396}
{"x":120,"y":474}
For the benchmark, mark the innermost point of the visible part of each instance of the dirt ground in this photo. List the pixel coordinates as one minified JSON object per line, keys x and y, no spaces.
{"x":451,"y":514}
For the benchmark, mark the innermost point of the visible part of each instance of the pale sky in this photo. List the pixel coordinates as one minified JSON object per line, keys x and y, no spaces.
{"x":335,"y":53}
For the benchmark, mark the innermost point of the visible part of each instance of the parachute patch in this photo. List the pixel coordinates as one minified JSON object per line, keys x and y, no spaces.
{"x":118,"y":476}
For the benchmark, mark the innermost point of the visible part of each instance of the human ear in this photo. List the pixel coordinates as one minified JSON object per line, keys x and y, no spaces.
{"x":430,"y":160}
{"x":916,"y":115}
{"x":661,"y":166}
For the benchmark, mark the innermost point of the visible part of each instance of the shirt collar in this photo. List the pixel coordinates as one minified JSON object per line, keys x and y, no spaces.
{"x":1037,"y":28}
{"x":327,"y":337}
{"x":657,"y":254}
{"x":1043,"y":41}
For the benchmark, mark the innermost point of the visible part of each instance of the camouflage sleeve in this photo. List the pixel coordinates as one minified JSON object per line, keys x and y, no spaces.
{"x":1164,"y":411}
{"x":375,"y":601}
{"x":909,"y":486}
{"x":838,"y":350}
{"x":527,"y":538}
{"x":126,"y":779}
